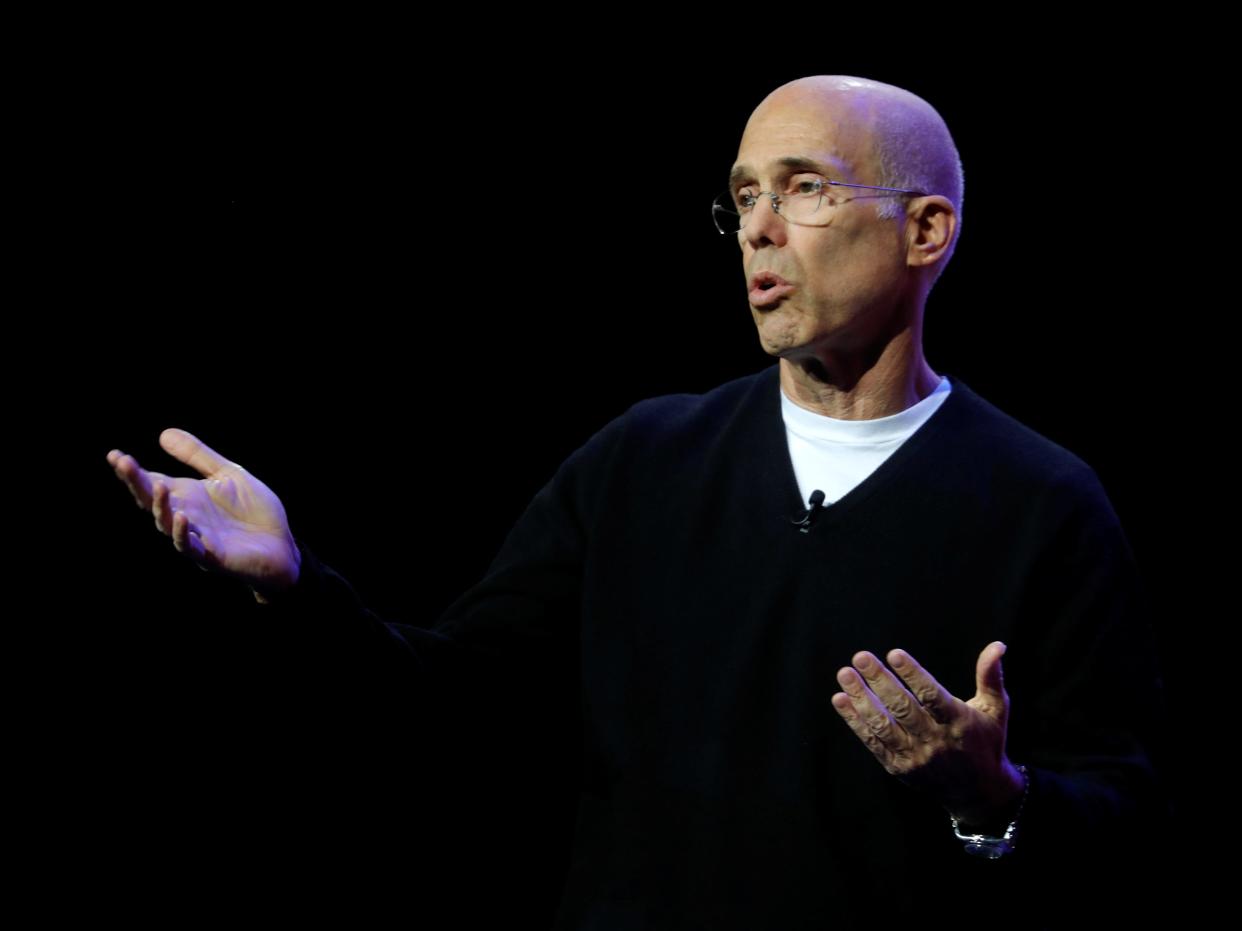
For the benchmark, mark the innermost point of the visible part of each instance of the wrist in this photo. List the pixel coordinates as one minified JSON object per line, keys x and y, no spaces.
{"x":987,"y":839}
{"x":280,"y":586}
{"x":999,"y":803}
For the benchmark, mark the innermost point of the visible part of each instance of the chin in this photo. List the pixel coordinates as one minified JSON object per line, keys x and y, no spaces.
{"x":779,"y":341}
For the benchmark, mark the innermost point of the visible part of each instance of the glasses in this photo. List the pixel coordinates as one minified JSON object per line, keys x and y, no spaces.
{"x":807,"y":205}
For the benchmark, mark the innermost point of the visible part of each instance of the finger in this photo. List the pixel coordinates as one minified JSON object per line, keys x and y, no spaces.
{"x":194,"y":452}
{"x":903,"y":706}
{"x":871,"y":712}
{"x":136,"y":478}
{"x":845,"y":708}
{"x":116,"y":459}
{"x":990,"y":677}
{"x":161,"y":508}
{"x":188,"y":540}
{"x":938,"y":701}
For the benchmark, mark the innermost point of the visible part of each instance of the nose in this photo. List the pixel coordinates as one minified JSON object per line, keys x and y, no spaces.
{"x":764,"y":225}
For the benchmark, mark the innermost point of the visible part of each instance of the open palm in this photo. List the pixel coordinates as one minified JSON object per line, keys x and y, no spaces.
{"x":228,"y":520}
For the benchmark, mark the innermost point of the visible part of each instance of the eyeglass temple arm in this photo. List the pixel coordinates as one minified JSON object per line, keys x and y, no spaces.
{"x":874,"y":187}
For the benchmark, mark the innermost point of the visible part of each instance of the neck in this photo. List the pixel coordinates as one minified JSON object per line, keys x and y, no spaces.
{"x":861,"y":387}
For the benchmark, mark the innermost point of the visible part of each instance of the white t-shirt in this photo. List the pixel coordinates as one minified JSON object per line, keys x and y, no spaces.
{"x":836,"y":455}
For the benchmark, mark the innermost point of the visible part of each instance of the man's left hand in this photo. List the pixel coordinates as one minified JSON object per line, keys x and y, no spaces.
{"x":952,"y":749}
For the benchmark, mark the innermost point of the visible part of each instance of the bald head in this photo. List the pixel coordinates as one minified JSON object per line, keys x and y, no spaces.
{"x":884,"y":135}
{"x":896,"y":138}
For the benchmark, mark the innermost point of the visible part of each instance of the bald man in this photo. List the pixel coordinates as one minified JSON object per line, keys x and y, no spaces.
{"x":708,"y":577}
{"x":843,"y":310}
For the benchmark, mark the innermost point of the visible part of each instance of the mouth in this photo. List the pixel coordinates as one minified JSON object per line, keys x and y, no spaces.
{"x":768,"y":288}
{"x":766,"y":280}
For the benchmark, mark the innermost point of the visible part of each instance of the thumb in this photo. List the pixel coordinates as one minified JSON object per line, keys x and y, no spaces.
{"x":193,"y":451}
{"x":990,"y":677}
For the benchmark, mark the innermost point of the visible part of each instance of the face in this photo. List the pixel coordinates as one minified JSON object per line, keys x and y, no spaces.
{"x":846,"y":280}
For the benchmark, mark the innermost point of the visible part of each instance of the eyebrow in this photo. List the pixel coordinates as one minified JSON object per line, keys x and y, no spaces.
{"x":792,"y":163}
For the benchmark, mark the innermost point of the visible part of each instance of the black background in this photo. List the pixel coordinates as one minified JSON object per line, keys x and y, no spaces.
{"x":401,"y":293}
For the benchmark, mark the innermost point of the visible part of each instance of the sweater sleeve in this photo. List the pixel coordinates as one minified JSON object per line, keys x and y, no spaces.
{"x":520,"y":619}
{"x":1087,"y":710}
{"x":323,"y":609}
{"x":448,"y":751}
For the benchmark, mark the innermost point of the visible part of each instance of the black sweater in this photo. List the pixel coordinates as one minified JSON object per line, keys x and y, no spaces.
{"x":657,"y":588}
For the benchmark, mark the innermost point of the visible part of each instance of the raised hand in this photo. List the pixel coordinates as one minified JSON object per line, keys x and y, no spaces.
{"x":227,"y":521}
{"x":953,"y":749}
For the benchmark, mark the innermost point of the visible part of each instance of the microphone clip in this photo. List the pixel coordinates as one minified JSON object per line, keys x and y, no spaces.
{"x":804,"y":522}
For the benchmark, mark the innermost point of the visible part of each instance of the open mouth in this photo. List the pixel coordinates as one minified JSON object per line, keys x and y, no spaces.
{"x":769,"y":292}
{"x":766,"y":281}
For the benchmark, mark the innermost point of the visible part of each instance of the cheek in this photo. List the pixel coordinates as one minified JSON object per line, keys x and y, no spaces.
{"x":862,"y":265}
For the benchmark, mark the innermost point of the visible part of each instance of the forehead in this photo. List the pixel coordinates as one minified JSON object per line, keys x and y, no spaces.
{"x":804,"y":131}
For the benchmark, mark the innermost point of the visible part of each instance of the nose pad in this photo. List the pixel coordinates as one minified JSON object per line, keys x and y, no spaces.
{"x":773,"y":202}
{"x":759,"y":221}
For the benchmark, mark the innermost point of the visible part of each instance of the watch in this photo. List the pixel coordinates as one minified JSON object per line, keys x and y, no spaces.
{"x":988,"y":846}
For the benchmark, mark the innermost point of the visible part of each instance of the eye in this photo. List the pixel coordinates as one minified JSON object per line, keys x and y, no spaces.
{"x":808,"y":186}
{"x":745,"y":200}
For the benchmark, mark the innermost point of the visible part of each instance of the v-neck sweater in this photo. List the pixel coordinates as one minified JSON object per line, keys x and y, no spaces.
{"x":661,"y":580}
{"x":833,"y":455}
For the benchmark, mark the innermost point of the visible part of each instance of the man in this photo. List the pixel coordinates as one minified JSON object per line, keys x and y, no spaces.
{"x":692,"y":576}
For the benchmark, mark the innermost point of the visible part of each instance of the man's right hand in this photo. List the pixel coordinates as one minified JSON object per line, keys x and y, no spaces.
{"x":228,"y":521}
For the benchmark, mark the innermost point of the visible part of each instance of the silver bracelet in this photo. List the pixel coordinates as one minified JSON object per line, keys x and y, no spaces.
{"x":993,"y":848}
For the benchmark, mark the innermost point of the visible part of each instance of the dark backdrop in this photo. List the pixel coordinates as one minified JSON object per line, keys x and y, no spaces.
{"x":401,"y":295}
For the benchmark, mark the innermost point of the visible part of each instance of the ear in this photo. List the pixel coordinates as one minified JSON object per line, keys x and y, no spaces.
{"x":931,"y":224}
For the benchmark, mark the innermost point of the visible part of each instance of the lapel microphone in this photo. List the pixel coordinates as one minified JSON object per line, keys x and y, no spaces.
{"x":804,"y":522}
